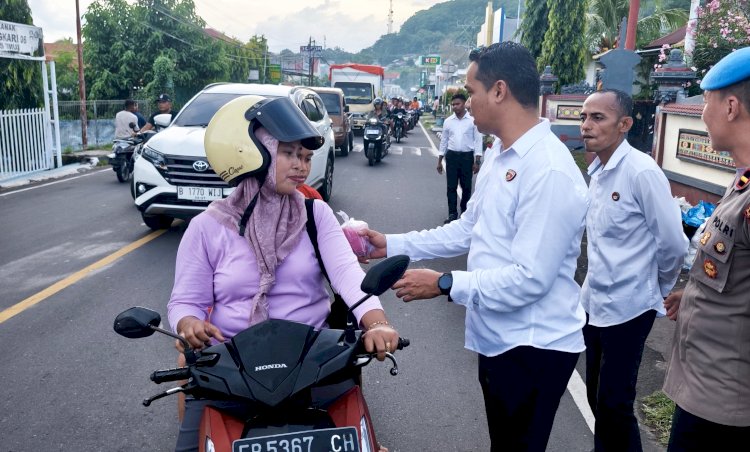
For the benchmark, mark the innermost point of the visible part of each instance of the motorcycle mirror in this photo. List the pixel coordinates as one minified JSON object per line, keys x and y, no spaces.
{"x":132,"y":125}
{"x":381,"y":276}
{"x":137,"y":322}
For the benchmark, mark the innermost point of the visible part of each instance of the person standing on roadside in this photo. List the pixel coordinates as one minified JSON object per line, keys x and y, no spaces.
{"x":461,"y":146}
{"x":636,"y":248}
{"x":522,"y":231}
{"x":164,"y":106}
{"x":435,"y":105}
{"x":708,"y":375}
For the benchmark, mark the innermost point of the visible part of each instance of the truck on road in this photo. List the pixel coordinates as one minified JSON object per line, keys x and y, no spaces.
{"x":361,"y":83}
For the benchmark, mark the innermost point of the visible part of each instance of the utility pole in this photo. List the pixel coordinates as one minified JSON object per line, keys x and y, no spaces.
{"x":310,"y":56}
{"x":390,"y":18}
{"x":265,"y":54}
{"x":635,"y":6}
{"x":81,"y":81}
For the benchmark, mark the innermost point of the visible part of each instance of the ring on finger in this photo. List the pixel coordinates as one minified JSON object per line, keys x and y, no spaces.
{"x":388,"y":347}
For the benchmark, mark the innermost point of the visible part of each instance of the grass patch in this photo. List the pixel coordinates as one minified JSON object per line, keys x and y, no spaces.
{"x":658,"y":409}
{"x":580,"y":158}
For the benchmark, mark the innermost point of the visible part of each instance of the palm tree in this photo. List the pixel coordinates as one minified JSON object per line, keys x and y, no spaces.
{"x":604,"y":18}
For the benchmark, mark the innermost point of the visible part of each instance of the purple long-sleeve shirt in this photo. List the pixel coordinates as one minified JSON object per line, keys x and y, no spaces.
{"x":216,"y":268}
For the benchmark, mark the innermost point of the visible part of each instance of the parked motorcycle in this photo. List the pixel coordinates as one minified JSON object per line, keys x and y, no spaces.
{"x":376,"y":140}
{"x":299,"y":388}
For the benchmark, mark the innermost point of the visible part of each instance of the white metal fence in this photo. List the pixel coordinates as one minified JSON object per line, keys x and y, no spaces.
{"x":23,"y":142}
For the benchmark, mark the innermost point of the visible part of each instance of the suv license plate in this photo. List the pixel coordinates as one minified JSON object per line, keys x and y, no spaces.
{"x":199,"y":193}
{"x":338,"y":439}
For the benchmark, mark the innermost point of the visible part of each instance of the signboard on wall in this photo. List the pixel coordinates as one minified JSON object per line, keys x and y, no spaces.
{"x":429,"y":60}
{"x":696,"y":146}
{"x":274,"y":73}
{"x":569,"y":112}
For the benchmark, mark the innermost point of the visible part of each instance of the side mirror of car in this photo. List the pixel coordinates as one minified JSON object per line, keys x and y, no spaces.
{"x":163,"y":120}
{"x":346,"y":109}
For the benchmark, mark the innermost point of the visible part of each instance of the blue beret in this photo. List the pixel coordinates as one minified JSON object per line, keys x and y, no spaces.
{"x":731,"y":69}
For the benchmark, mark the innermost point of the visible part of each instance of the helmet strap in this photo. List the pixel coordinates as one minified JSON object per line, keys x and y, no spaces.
{"x":246,"y":215}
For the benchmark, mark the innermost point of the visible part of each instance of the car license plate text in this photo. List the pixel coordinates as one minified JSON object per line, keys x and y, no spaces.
{"x":199,"y":193}
{"x":373,"y":131}
{"x":325,"y":440}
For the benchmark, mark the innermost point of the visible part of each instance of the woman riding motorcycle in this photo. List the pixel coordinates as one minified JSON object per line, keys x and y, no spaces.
{"x":381,"y":113}
{"x":248,"y":258}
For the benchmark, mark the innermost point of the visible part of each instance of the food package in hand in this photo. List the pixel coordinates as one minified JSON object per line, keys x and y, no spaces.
{"x":360,"y":244}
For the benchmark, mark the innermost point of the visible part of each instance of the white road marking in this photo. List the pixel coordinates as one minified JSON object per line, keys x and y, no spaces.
{"x":53,"y":183}
{"x":577,"y":389}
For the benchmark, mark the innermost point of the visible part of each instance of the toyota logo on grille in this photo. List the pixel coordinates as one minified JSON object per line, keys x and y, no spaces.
{"x":200,"y":166}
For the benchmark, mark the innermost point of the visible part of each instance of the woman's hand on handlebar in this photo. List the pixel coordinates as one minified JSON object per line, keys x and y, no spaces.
{"x":197,"y":332}
{"x":380,"y":339}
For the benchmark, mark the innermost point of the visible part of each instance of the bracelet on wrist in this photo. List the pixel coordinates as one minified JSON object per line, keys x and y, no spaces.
{"x":379,"y":322}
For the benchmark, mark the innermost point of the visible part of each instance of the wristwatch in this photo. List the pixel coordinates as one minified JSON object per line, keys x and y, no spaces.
{"x":445,"y":282}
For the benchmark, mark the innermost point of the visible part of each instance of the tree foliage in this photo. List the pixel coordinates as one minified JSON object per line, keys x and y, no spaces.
{"x":21,"y":80}
{"x":123,"y":42}
{"x":656,"y":18}
{"x":534,"y":25}
{"x":721,"y":28}
{"x":564,"y":46}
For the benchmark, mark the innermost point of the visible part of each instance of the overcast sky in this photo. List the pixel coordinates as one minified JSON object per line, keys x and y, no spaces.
{"x":349,"y":24}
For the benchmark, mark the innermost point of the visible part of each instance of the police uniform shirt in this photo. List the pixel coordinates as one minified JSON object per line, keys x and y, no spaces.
{"x":636,"y":245}
{"x":460,"y":135}
{"x":709,"y":373}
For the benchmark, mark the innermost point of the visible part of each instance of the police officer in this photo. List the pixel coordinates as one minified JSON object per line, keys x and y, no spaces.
{"x":708,"y":376}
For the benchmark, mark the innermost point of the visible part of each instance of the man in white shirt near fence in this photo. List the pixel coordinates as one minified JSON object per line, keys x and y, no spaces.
{"x":123,"y":119}
{"x":636,"y":247}
{"x":461,"y":146}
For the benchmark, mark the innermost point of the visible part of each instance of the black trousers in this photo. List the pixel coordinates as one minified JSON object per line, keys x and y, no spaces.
{"x":458,"y":169}
{"x":522,"y":389}
{"x":613,"y":357}
{"x":691,"y":433}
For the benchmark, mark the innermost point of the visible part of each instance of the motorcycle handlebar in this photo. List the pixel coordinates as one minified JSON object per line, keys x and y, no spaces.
{"x":179,"y":373}
{"x":403,"y":343}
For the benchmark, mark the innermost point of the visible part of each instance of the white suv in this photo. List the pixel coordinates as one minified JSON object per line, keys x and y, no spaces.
{"x":172,"y":177}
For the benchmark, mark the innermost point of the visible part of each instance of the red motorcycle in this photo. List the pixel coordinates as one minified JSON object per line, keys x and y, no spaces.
{"x":298,"y":389}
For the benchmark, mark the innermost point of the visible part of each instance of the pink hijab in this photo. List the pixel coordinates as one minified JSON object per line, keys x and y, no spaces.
{"x":274,"y":228}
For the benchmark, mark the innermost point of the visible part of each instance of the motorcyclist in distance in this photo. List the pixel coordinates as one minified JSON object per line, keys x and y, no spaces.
{"x":381,"y":113}
{"x":399,"y":108}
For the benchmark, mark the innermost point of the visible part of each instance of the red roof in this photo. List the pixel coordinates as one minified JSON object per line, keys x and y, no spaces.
{"x":377,"y":70}
{"x":684,"y":109}
{"x":673,"y":38}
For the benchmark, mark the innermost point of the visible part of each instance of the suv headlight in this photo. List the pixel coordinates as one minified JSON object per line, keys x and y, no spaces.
{"x":155,"y":157}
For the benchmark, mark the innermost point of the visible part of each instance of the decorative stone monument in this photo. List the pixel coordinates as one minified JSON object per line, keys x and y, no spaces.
{"x":672,"y":78}
{"x":619,"y":65}
{"x":547,"y":81}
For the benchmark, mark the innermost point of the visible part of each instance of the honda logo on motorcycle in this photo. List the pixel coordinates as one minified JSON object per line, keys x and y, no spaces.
{"x":200,"y":166}
{"x":270,"y":366}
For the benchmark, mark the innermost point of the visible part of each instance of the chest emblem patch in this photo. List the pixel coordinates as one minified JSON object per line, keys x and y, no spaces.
{"x":720,"y":247}
{"x":615,"y":196}
{"x":710,"y":268}
{"x":510,"y":175}
{"x":706,"y":236}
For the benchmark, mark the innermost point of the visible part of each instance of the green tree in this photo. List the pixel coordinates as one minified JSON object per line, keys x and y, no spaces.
{"x":655,"y":19}
{"x":564,"y":47}
{"x":721,"y":27}
{"x":66,"y":71}
{"x":21,"y":80}
{"x":534,"y":24}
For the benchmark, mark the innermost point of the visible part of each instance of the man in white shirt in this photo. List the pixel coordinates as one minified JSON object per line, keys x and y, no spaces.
{"x":461,"y":146}
{"x":636,"y":247}
{"x":522,"y":231}
{"x":123,"y":119}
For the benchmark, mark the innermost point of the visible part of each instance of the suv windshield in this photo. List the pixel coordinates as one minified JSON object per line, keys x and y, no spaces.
{"x":200,"y":111}
{"x":331,"y":101}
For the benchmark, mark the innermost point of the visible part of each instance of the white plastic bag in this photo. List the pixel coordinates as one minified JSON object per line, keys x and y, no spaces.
{"x":693,"y":247}
{"x":361,"y":245}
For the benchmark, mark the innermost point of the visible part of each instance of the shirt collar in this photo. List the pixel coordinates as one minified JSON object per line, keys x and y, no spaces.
{"x":622,"y":150}
{"x":532,"y":136}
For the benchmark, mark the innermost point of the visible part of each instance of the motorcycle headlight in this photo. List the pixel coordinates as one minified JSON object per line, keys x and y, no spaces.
{"x":209,"y":445}
{"x":373,"y":121}
{"x":155,"y":157}
{"x":365,"y":443}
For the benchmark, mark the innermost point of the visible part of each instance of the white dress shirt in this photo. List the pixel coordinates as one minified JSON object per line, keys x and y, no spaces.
{"x":522,"y":230}
{"x":460,"y":135}
{"x":636,"y":244}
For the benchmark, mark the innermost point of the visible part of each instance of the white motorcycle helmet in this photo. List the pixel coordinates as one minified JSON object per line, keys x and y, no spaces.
{"x":231,"y":146}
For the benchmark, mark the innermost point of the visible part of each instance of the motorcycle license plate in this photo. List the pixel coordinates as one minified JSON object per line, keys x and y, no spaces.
{"x":199,"y":193}
{"x":331,"y":439}
{"x":372,"y":131}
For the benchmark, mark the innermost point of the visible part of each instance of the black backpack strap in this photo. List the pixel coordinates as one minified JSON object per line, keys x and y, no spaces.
{"x":312,"y":231}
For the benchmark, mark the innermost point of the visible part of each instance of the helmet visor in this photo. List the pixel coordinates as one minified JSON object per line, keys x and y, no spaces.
{"x":285,"y":122}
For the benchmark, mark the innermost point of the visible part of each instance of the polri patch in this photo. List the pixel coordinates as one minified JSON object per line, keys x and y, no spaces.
{"x":615,"y":196}
{"x":510,"y":175}
{"x":710,"y":269}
